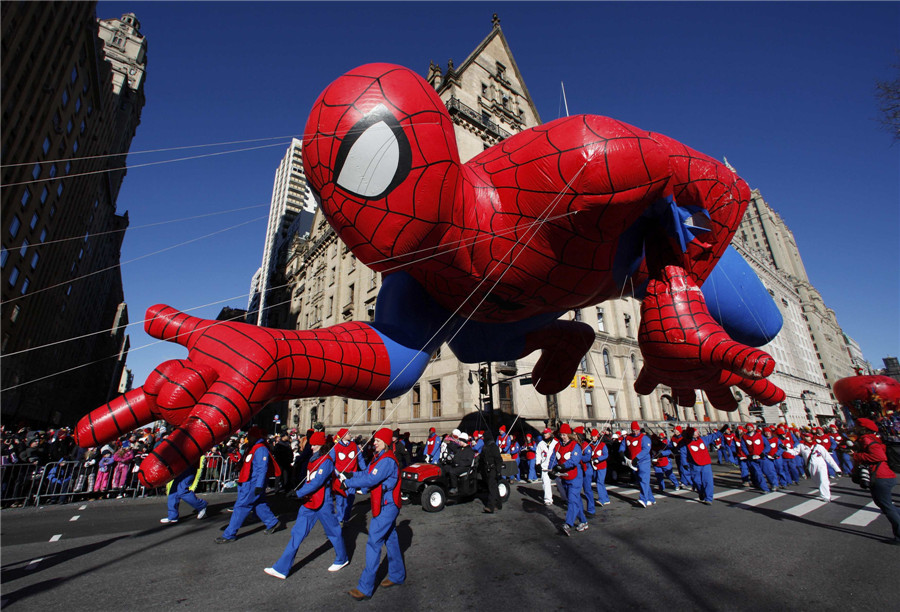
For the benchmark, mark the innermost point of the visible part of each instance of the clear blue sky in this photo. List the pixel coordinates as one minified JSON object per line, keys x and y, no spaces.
{"x":784,"y":90}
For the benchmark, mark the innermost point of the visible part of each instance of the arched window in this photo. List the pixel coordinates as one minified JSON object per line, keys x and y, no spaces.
{"x":607,"y":365}
{"x":634,"y":368}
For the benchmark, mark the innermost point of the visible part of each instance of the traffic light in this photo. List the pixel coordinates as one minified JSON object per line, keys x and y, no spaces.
{"x":574,"y":383}
{"x":483,"y":383}
{"x":584,"y":382}
{"x":590,"y":382}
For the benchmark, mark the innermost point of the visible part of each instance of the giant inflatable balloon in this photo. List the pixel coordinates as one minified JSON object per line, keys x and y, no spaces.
{"x":485,"y":256}
{"x":854,"y":391}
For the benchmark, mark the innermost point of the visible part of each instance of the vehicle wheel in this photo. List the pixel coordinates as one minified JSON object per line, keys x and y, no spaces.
{"x":503,"y":489}
{"x":433,"y":498}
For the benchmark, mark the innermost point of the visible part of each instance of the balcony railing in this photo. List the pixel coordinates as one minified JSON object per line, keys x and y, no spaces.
{"x":454,"y":106}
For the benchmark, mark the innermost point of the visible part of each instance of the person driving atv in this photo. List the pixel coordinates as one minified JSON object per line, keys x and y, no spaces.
{"x":460,"y":463}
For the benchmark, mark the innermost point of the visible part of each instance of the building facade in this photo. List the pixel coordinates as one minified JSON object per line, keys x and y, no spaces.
{"x":73,"y":90}
{"x":291,"y":201}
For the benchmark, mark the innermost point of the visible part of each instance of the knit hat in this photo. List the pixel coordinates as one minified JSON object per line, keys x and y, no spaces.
{"x":385,"y":435}
{"x":342,"y":432}
{"x":317,"y":439}
{"x":579,"y":429}
{"x":503,"y":428}
{"x":635,"y":425}
{"x":867,"y":424}
{"x":547,"y":430}
{"x":565,"y":429}
{"x":594,"y":432}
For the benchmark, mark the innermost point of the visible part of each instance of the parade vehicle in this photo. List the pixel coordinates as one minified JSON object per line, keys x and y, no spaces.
{"x":427,"y":484}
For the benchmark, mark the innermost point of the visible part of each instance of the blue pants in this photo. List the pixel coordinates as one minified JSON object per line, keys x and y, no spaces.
{"x":181,"y":490}
{"x":532,"y":475}
{"x":794,"y":473}
{"x":586,"y":488}
{"x":666,"y":472}
{"x":684,"y":471}
{"x":846,"y":462}
{"x":768,"y":470}
{"x":382,"y":532}
{"x":720,"y":456}
{"x":781,"y":469}
{"x":306,"y":519}
{"x":246,"y":502}
{"x":574,"y":510}
{"x":643,"y":478}
{"x":600,"y":479}
{"x":881,"y":495}
{"x":343,"y":506}
{"x":703,"y":480}
{"x":745,"y":470}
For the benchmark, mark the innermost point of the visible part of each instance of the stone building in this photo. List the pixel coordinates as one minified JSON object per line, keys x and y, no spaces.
{"x":73,"y":90}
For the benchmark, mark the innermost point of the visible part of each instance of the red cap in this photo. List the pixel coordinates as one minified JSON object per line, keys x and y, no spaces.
{"x":547,"y":430}
{"x":528,"y":436}
{"x":579,"y":429}
{"x":565,"y":429}
{"x":867,"y":424}
{"x":635,"y":425}
{"x":342,"y":432}
{"x":256,"y":433}
{"x":432,"y":430}
{"x":503,"y":428}
{"x":594,"y":432}
{"x":317,"y":439}
{"x":678,"y":428}
{"x":385,"y":435}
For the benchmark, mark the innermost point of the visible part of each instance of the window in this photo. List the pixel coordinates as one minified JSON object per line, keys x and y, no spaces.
{"x":634,"y":368}
{"x":78,"y":104}
{"x":46,"y":146}
{"x":345,"y":414}
{"x":25,"y":284}
{"x":382,"y":410}
{"x":607,"y":365}
{"x":368,"y":412}
{"x":34,"y":260}
{"x":14,"y":226}
{"x":13,"y":277}
{"x":601,"y":326}
{"x":69,"y":127}
{"x":416,"y":402}
{"x":44,"y":194}
{"x":36,"y":172}
{"x":26,"y":196}
{"x":436,"y":398}
{"x":59,"y":190}
{"x":14,"y":314}
{"x":4,"y":255}
{"x":24,"y":248}
{"x":612,"y":403}
{"x":74,"y":75}
{"x":43,"y":235}
{"x":577,"y":314}
{"x":504,"y":389}
{"x":589,"y":403}
{"x":83,"y":126}
{"x":65,"y":98}
{"x":75,"y":146}
{"x":53,"y":171}
{"x":628,"y":325}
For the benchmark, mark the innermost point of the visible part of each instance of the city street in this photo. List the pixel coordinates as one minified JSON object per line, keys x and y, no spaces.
{"x":748,"y":551}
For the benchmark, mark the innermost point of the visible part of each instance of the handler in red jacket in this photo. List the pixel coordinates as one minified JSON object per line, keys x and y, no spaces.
{"x":871,"y":451}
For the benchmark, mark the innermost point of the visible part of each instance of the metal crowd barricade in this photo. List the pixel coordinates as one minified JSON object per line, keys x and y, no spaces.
{"x":18,"y":483}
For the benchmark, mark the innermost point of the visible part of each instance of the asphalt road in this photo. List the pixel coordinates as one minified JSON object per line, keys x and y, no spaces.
{"x":745,"y":552}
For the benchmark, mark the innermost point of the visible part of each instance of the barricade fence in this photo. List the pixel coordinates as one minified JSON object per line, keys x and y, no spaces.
{"x":30,"y":484}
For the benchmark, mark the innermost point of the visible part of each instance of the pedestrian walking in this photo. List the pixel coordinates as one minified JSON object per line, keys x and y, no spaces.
{"x":870,"y":451}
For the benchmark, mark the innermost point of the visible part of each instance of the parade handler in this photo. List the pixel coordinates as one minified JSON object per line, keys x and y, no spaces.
{"x":256,"y":468}
{"x":382,"y":478}
{"x":318,"y":505}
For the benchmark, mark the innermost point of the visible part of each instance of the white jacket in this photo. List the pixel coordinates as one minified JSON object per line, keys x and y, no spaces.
{"x":545,"y":453}
{"x":817,"y":457}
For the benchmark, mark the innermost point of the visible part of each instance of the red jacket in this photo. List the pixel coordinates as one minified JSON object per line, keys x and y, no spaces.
{"x":872,"y":450}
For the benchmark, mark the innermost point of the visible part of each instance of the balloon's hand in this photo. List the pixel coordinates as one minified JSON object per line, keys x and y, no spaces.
{"x":686,"y":349}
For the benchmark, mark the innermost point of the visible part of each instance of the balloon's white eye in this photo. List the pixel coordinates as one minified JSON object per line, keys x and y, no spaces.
{"x":375,"y":156}
{"x":372,"y":161}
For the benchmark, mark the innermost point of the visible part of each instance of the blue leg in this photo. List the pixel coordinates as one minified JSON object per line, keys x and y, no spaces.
{"x":380,"y":529}
{"x":306,"y":518}
{"x":265,"y":513}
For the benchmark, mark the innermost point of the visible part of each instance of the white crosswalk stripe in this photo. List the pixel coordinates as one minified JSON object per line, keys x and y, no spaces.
{"x":762,"y":499}
{"x":808,"y":506}
{"x":863,"y":517}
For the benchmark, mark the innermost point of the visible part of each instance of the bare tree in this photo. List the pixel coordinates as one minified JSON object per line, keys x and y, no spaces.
{"x":888,"y":95}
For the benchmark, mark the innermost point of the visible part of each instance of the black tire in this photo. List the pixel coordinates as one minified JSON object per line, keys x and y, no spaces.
{"x":433,"y":498}
{"x":504,"y":490}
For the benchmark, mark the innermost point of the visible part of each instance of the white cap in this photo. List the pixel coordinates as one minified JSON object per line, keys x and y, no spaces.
{"x":456,"y":432}
{"x":463,"y":436}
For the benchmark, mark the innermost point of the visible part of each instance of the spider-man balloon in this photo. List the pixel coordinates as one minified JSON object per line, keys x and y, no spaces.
{"x":485,"y":256}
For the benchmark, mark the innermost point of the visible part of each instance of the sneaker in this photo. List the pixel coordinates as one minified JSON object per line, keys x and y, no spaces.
{"x":582,"y":527}
{"x":202,"y":513}
{"x":548,"y":503}
{"x":650,"y":503}
{"x":678,"y":487}
{"x":224,"y":540}
{"x":337,"y":566}
{"x":566,"y":529}
{"x":706,"y":501}
{"x":357,"y":594}
{"x":642,"y":503}
{"x":168,"y":521}
{"x":277,"y":527}
{"x":271,"y":571}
